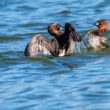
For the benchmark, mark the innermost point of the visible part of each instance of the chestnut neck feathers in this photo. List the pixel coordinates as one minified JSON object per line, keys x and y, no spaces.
{"x":53,"y":30}
{"x":102,"y":26}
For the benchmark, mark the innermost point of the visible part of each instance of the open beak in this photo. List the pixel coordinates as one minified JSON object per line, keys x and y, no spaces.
{"x":61,"y":28}
{"x":94,"y":24}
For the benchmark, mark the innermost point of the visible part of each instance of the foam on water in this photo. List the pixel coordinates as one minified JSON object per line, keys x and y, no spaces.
{"x":80,"y":47}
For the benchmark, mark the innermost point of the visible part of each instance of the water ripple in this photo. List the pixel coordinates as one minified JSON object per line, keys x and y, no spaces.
{"x":80,"y":81}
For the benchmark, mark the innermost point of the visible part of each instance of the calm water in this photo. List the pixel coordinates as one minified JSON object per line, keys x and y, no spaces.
{"x":75,"y":82}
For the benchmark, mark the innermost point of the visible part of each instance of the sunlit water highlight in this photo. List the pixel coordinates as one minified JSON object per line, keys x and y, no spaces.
{"x":80,"y":47}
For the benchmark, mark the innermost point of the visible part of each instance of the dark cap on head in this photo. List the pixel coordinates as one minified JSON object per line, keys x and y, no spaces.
{"x":53,"y":29}
{"x":99,"y":22}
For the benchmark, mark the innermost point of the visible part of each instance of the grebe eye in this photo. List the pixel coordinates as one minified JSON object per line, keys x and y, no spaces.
{"x":97,"y":23}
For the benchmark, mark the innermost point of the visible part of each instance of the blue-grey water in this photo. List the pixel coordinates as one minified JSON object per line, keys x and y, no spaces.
{"x":74,"y":82}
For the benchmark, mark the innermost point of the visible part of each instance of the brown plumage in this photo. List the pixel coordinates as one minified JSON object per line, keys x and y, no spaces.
{"x":71,"y":36}
{"x":93,"y":38}
{"x":61,"y":45}
{"x":40,"y":43}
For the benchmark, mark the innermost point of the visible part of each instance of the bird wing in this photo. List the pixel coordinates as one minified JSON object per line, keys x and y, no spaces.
{"x":38,"y":44}
{"x":70,"y":31}
{"x":106,"y":41}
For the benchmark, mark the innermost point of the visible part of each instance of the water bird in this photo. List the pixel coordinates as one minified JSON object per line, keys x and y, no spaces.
{"x":62,"y":43}
{"x":94,"y":38}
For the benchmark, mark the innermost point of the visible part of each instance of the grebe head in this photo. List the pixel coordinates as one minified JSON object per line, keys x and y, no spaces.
{"x":102,"y":24}
{"x":54,"y":28}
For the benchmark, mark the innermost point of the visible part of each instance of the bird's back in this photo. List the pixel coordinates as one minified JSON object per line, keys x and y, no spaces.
{"x":42,"y":44}
{"x":93,"y":40}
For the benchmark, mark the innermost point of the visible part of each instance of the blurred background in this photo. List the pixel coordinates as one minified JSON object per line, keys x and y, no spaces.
{"x":74,"y":82}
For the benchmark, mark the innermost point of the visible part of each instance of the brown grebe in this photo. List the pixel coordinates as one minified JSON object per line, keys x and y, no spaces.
{"x":93,"y":38}
{"x":61,"y":45}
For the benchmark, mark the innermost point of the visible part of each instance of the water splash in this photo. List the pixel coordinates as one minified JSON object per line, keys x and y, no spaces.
{"x":80,"y":47}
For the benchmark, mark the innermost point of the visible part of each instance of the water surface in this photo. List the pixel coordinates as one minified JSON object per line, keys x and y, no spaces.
{"x":74,"y":82}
